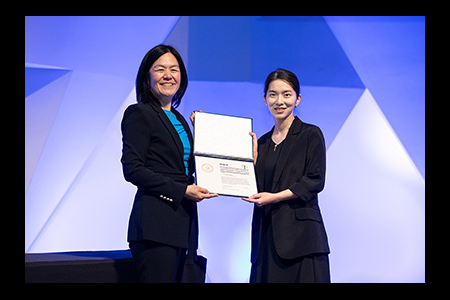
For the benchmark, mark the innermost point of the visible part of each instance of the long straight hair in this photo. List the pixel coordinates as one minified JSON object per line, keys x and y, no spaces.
{"x":144,"y":92}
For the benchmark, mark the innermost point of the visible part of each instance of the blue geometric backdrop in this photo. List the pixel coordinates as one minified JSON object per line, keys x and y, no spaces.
{"x":362,"y":82}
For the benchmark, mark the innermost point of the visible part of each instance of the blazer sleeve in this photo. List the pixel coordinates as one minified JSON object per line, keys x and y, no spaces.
{"x":313,"y":180}
{"x":136,"y":137}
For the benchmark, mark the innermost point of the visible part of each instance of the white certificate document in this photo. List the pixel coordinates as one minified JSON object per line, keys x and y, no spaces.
{"x":226,"y":176}
{"x":223,"y":136}
{"x":223,"y":151}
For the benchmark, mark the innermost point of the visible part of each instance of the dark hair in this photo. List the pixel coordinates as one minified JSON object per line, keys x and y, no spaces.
{"x":285,"y":75}
{"x":143,"y":91}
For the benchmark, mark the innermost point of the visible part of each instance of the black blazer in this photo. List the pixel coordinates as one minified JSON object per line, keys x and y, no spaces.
{"x":152,"y":159}
{"x":298,"y":228}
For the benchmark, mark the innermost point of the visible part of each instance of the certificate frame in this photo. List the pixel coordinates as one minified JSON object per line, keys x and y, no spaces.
{"x":223,"y":153}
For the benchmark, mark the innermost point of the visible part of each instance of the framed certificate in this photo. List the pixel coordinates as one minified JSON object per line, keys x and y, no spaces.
{"x":223,"y":152}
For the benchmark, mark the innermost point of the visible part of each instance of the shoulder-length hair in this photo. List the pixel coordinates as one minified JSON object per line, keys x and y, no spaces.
{"x":143,"y":91}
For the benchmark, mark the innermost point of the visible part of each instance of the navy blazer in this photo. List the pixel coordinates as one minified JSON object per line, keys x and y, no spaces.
{"x":152,"y":160}
{"x":298,"y":228}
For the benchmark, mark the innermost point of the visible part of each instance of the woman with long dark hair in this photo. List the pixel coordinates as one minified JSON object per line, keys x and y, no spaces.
{"x":157,"y":158}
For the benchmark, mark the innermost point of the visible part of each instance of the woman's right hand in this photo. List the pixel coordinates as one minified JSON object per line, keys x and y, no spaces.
{"x":197,"y":193}
{"x":255,"y":146}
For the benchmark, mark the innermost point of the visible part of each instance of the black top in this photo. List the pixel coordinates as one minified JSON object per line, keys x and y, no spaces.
{"x":298,"y":164}
{"x":271,"y":162}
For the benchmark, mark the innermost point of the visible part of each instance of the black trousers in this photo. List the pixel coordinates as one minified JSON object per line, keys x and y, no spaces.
{"x":158,"y":263}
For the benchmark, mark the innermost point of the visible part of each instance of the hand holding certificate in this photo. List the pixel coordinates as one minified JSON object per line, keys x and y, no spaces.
{"x":223,"y":152}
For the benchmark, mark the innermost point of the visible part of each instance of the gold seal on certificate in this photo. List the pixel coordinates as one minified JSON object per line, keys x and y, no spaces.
{"x":207,"y":168}
{"x":223,"y":151}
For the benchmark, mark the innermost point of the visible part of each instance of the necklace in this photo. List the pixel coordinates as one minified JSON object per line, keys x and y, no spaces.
{"x":276,"y":145}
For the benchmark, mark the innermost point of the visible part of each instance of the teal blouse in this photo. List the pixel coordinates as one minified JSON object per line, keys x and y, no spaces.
{"x":183,"y":136}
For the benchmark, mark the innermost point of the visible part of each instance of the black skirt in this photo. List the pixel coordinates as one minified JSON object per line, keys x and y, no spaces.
{"x":271,"y":268}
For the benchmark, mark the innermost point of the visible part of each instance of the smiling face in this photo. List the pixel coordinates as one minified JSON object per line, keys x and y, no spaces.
{"x":281,"y":99}
{"x":165,"y":78}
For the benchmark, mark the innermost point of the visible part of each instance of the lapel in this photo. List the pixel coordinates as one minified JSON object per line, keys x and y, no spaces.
{"x":287,"y":148}
{"x":169,"y":126}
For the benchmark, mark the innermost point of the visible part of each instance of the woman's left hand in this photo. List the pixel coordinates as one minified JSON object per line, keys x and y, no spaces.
{"x":262,"y":199}
{"x":192,"y":117}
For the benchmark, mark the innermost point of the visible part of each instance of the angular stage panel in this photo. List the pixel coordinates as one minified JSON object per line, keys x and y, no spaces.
{"x":97,"y":192}
{"x":388,"y":53}
{"x":373,"y":203}
{"x":249,"y":48}
{"x":46,"y":89}
{"x":38,"y":77}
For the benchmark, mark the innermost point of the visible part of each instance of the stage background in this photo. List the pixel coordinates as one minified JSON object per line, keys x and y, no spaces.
{"x":362,"y":82}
